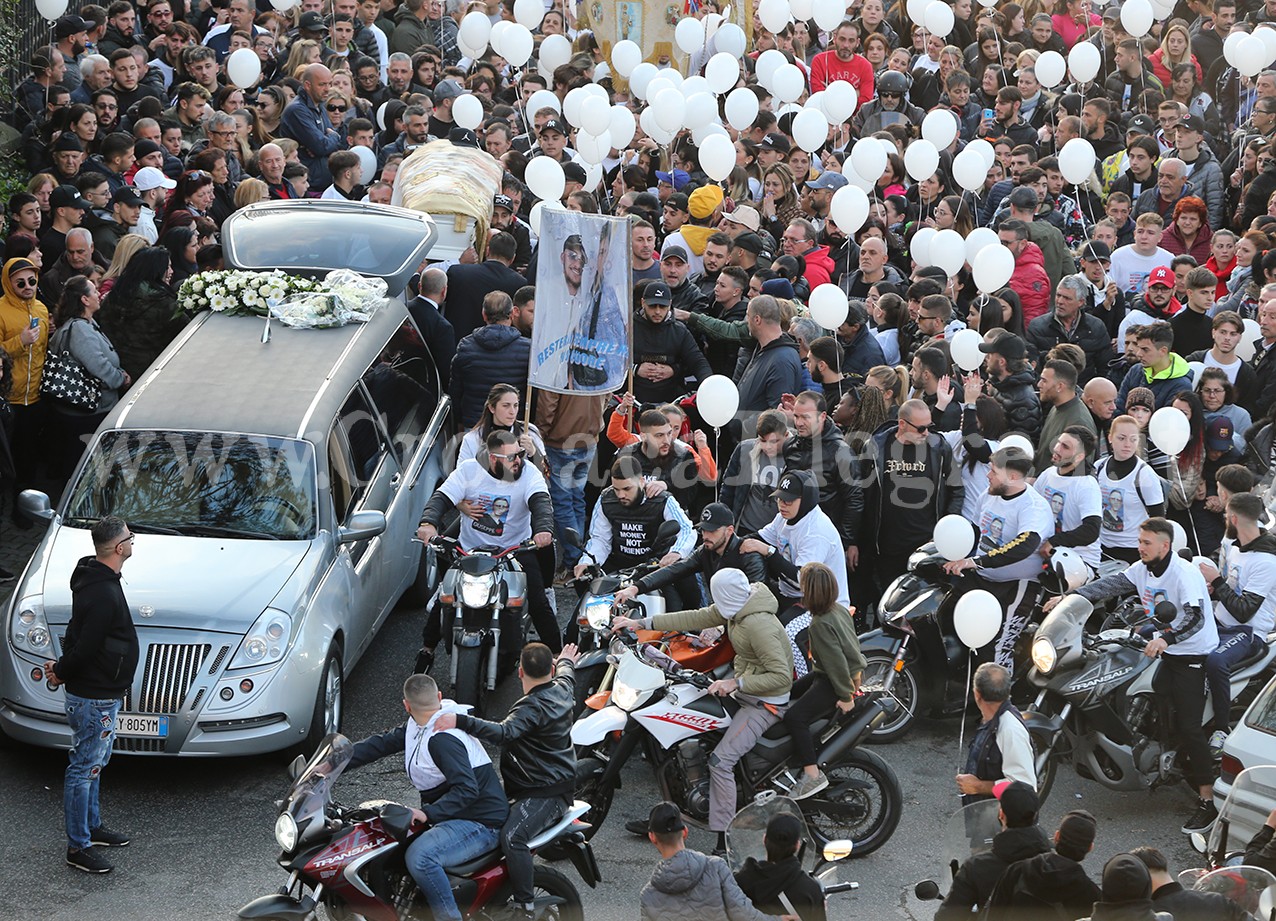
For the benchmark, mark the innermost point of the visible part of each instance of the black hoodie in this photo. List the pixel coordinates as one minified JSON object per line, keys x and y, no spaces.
{"x":100,"y":652}
{"x":974,"y":882}
{"x":1049,"y":879}
{"x":667,"y":343}
{"x":764,"y":881}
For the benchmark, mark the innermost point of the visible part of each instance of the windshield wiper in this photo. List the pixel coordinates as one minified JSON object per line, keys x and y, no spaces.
{"x":216,"y":530}
{"x":143,"y":528}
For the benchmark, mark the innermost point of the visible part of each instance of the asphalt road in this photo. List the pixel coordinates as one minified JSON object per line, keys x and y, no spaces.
{"x":203,"y":841}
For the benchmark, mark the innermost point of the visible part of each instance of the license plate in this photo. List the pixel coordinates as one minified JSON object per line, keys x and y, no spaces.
{"x":141,"y":726}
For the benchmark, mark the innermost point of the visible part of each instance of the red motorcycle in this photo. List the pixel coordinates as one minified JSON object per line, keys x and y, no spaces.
{"x":350,"y":860}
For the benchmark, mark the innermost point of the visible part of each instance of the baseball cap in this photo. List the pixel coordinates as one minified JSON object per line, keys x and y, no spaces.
{"x":674,"y":251}
{"x":67,"y":196}
{"x":310,"y":21}
{"x":1007,"y":345}
{"x":1141,"y":124}
{"x":1218,"y":434}
{"x":554,"y":124}
{"x":1126,"y":879}
{"x":125,"y":196}
{"x":503,"y":201}
{"x":1024,"y":197}
{"x":676,"y":178}
{"x":463,"y":137}
{"x":574,"y":241}
{"x":148,"y":177}
{"x":776,"y":141}
{"x":69,"y":25}
{"x":1193,"y":123}
{"x":1019,"y":803}
{"x":704,"y":201}
{"x":1113,"y":13}
{"x":750,"y":242}
{"x":678,"y":202}
{"x":1162,"y":275}
{"x":574,"y":172}
{"x":657,"y":292}
{"x":790,"y":487}
{"x":1096,"y":251}
{"x":715,"y":515}
{"x":665,"y":818}
{"x":783,"y":832}
{"x":447,"y":89}
{"x":746,"y":216}
{"x":829,"y":179}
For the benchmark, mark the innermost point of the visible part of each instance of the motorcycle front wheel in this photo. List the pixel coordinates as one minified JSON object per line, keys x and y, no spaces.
{"x":590,"y":789}
{"x":546,"y":881}
{"x":863,"y":802}
{"x":470,"y":686}
{"x":1045,"y":762}
{"x":905,"y":693}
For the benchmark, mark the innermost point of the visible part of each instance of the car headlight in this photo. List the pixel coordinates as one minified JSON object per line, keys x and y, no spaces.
{"x":28,"y":628}
{"x":266,"y":642}
{"x":1044,"y":656}
{"x":598,"y":612}
{"x":476,"y":591}
{"x":286,"y":832}
{"x":624,"y":697}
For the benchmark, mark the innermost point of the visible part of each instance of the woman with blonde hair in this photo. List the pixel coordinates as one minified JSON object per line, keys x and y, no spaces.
{"x":1176,"y":48}
{"x":892,"y":382}
{"x":301,"y":54}
{"x":779,"y":203}
{"x":130,"y":244}
{"x":249,"y":192}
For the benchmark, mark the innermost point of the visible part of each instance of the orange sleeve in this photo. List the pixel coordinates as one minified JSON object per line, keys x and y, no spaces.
{"x":707,"y":466}
{"x":618,"y":430}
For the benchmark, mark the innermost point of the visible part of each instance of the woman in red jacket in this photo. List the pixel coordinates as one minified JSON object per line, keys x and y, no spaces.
{"x":1189,"y":232}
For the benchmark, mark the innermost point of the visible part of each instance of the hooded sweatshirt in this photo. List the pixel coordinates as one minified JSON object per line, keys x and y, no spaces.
{"x":1048,"y":879}
{"x":974,"y":883}
{"x":100,"y":652}
{"x":819,"y":267}
{"x":1164,"y":384}
{"x":690,"y":886}
{"x":811,"y":537}
{"x":16,"y":314}
{"x":764,"y":881}
{"x":1031,"y":282}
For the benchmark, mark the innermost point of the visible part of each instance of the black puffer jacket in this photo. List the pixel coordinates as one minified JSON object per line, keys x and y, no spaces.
{"x":495,"y":354}
{"x":100,"y":652}
{"x":141,"y":326}
{"x":1017,"y":394}
{"x":537,"y":756}
{"x":829,"y":459}
{"x":1045,"y":332}
{"x":974,"y":882}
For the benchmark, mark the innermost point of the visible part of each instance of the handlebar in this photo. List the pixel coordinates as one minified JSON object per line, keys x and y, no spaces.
{"x":453,"y":545}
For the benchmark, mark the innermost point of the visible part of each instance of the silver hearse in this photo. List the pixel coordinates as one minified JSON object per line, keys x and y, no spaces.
{"x":275,"y":488}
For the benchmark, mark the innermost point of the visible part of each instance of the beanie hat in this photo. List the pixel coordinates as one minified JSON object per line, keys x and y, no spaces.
{"x":1076,"y":834}
{"x":1126,"y":879}
{"x":778,"y":287}
{"x":704,"y":201}
{"x":730,"y":591}
{"x":1140,"y":396}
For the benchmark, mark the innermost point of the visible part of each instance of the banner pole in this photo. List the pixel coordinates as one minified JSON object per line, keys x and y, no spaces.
{"x":629,"y":388}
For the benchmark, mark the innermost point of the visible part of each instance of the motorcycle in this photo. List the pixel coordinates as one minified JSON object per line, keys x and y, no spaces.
{"x":915,"y":658}
{"x":1249,"y":887}
{"x":1096,"y":706}
{"x":970,"y":831}
{"x":481,"y":586}
{"x":351,"y":859}
{"x":657,"y":704}
{"x":1243,"y":813}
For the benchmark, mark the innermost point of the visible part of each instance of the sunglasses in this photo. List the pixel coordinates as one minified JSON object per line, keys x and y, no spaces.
{"x":889,"y":95}
{"x":336,"y":108}
{"x":920,"y":428}
{"x":521,"y":455}
{"x":24,"y":282}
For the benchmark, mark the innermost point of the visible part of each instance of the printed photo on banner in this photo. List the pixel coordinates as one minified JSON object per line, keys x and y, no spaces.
{"x":580,"y":341}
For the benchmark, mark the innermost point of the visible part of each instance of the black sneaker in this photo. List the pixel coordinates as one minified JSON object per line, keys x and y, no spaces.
{"x":638,"y":827}
{"x":424,"y":661}
{"x":6,"y":576}
{"x":104,"y":837}
{"x":1202,"y":820}
{"x":88,"y":860}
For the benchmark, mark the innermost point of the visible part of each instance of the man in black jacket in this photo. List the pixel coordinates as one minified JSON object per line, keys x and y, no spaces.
{"x":469,"y":284}
{"x":779,"y":885}
{"x":538,"y":760}
{"x":1053,"y":883}
{"x":1011,"y":382}
{"x":818,"y":446}
{"x":99,"y":656}
{"x":1185,"y":904}
{"x":665,"y":354}
{"x":1069,"y":323}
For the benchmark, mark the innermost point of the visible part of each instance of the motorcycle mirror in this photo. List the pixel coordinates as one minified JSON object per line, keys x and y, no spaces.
{"x":839,"y":849}
{"x":1198,"y":842}
{"x":1165,"y":612}
{"x":927,"y":890}
{"x":296,"y":767}
{"x":571,"y":537}
{"x":668,"y":530}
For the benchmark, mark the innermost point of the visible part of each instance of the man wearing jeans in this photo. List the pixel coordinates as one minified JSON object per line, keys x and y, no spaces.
{"x":569,"y":424}
{"x":99,"y":656}
{"x":461,"y":796}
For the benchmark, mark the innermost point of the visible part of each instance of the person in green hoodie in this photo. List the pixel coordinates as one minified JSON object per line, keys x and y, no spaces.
{"x":1162,"y":371}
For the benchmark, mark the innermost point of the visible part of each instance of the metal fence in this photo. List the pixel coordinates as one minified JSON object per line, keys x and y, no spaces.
{"x":24,"y":32}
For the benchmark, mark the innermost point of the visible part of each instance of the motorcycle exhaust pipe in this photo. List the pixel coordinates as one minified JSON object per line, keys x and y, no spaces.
{"x":852,"y":734}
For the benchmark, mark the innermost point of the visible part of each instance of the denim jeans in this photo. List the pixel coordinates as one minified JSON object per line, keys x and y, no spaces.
{"x":92,"y":732}
{"x":568,"y":472}
{"x":1234,"y":644}
{"x":445,"y":845}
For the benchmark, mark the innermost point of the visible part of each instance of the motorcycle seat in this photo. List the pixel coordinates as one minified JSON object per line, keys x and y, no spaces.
{"x":475,"y":866}
{"x":781,"y":731}
{"x":1257,"y":652}
{"x":483,"y":861}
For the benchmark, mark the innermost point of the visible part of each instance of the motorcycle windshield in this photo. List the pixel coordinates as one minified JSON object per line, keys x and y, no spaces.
{"x":312,"y":791}
{"x":1245,"y":810}
{"x":1248,"y":887}
{"x":1064,"y":625}
{"x":970,"y":831}
{"x":746,"y":832}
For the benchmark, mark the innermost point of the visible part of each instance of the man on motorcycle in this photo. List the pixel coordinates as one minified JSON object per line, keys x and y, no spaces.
{"x":1185,"y":637}
{"x":763,"y":674}
{"x":461,"y":796}
{"x":538,"y":761}
{"x":497,"y":479}
{"x":1013,"y":521}
{"x":666,"y":460}
{"x":1000,"y":748}
{"x":1244,"y":590}
{"x":1072,"y":492}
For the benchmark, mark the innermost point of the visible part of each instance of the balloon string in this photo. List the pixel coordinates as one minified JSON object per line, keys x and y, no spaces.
{"x":961,"y":738}
{"x":1190,"y":519}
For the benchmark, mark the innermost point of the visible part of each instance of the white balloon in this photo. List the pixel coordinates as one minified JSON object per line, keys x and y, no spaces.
{"x":381,"y":115}
{"x":51,"y":10}
{"x":469,"y":51}
{"x":917,"y":11}
{"x":992,"y":268}
{"x":516,"y":45}
{"x":840,"y":100}
{"x":938,"y":18}
{"x":964,"y":347}
{"x":658,"y":86}
{"x":593,"y":148}
{"x":475,"y":30}
{"x":1180,"y":536}
{"x":955,"y":537}
{"x":788,"y":83}
{"x":704,"y":132}
{"x":849,"y":208}
{"x":948,"y":251}
{"x":1083,"y":62}
{"x":802,"y":9}
{"x":969,"y":170}
{"x":544,"y":176}
{"x":717,"y":399}
{"x":555,"y":51}
{"x":593,"y":174}
{"x":921,"y":159}
{"x":1161,"y":9}
{"x":1249,"y":336}
{"x":542,"y":99}
{"x":1251,"y":55}
{"x":919,"y":248}
{"x":1051,"y":68}
{"x":717,"y":157}
{"x":869,"y":159}
{"x":467,"y":111}
{"x":1018,"y":441}
{"x":640,"y":78}
{"x":695,"y":84}
{"x":741,"y":108}
{"x":529,"y":13}
{"x":572,"y":104}
{"x":670,"y":108}
{"x":773,"y":14}
{"x":940,"y":128}
{"x":701,"y":110}
{"x":367,"y":163}
{"x":978,"y":239}
{"x":601,"y":71}
{"x":282,"y":6}
{"x":722,"y":72}
{"x":689,"y":35}
{"x":1076,"y":160}
{"x":977,"y":618}
{"x":1136,"y":17}
{"x":826,"y":13}
{"x":829,"y":305}
{"x":1267,"y":35}
{"x":712,"y":23}
{"x":595,"y":115}
{"x":1196,"y":367}
{"x":1230,"y":45}
{"x":625,"y":56}
{"x":985,"y":151}
{"x":730,"y":39}
{"x":1169,"y":430}
{"x":622,"y":125}
{"x":768,"y":63}
{"x":648,"y":122}
{"x":243,"y":67}
{"x":810,"y":129}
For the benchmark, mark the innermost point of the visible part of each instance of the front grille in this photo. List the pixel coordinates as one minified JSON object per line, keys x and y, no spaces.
{"x":141,"y":746}
{"x":170,"y":671}
{"x":218,"y":660}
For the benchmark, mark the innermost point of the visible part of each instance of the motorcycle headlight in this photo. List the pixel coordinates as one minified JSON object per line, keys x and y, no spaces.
{"x":1044,"y":656}
{"x":597,"y":612}
{"x":624,"y":697}
{"x":28,"y":628}
{"x":476,"y":591}
{"x":266,"y":642}
{"x":286,"y":832}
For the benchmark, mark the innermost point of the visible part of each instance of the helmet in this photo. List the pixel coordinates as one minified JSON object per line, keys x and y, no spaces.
{"x":893,"y":82}
{"x":1069,"y":571}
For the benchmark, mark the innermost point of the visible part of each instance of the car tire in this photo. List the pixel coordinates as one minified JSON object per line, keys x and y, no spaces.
{"x":329,"y":703}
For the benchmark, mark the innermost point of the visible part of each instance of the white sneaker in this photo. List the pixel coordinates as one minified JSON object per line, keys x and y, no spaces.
{"x":1216,"y":742}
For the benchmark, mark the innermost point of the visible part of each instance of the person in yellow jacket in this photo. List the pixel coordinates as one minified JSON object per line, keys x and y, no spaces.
{"x":24,"y":335}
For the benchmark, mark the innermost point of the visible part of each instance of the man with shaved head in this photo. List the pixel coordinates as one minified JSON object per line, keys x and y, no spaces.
{"x":1100,"y":397}
{"x":270,"y":163}
{"x":306,"y":122}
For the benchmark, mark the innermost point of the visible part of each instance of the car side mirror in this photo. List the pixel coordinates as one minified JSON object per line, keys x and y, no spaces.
{"x":927,"y":890}
{"x":35,"y":504}
{"x":362,"y":526}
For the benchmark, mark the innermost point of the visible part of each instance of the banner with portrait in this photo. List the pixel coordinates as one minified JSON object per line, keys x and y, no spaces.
{"x":581,"y":334}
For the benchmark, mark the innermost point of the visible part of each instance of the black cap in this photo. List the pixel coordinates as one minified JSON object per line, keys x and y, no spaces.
{"x":1141,"y":124}
{"x":1007,"y":345}
{"x":657,"y":292}
{"x":715,"y":515}
{"x":664,"y":819}
{"x":1096,"y":251}
{"x":310,"y":21}
{"x":678,"y":202}
{"x":1126,"y":879}
{"x":125,"y":196}
{"x":574,"y":241}
{"x":749,"y":242}
{"x":574,"y":172}
{"x":67,"y":196}
{"x":783,"y":832}
{"x":1193,"y":123}
{"x":68,"y":26}
{"x":145,"y":148}
{"x":68,"y":141}
{"x":790,"y":487}
{"x":554,"y":124}
{"x":674,"y":252}
{"x":463,"y":137}
{"x":503,"y":201}
{"x":776,"y":141}
{"x":1019,"y":802}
